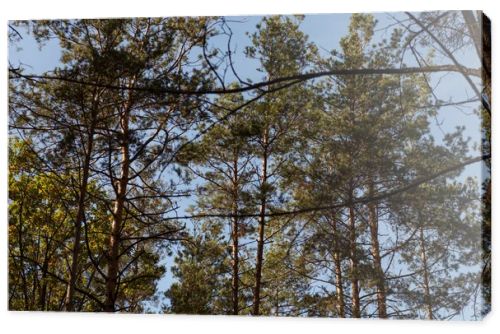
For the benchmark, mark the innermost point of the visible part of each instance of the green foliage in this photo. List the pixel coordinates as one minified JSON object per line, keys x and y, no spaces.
{"x":39,"y":228}
{"x":201,"y":283}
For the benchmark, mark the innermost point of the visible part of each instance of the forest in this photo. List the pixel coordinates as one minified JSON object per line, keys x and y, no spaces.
{"x":252,"y":165}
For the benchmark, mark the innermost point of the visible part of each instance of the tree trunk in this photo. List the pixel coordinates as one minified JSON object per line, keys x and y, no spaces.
{"x":116,"y":225}
{"x":42,"y":297}
{"x":338,"y":272}
{"x":375,"y":249}
{"x":356,"y":313}
{"x":24,"y":282}
{"x":235,"y":264}
{"x":262,"y":217}
{"x":427,"y":293}
{"x":80,"y":216}
{"x":235,"y":239}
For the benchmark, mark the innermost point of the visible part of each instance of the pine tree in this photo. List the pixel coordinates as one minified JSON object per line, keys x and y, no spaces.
{"x":222,"y":160}
{"x":282,"y":50}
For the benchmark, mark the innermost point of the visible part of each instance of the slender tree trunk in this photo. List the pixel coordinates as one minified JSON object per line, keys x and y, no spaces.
{"x":116,"y":225}
{"x":427,"y":293}
{"x":356,"y":312}
{"x":235,"y":239}
{"x":262,"y":217}
{"x":36,"y":281}
{"x":80,"y":216}
{"x":338,"y":272}
{"x":81,"y":302}
{"x":277,"y":302}
{"x":48,"y":302}
{"x":375,"y":249}
{"x":42,"y":297}
{"x":235,"y":265}
{"x":21,"y":257}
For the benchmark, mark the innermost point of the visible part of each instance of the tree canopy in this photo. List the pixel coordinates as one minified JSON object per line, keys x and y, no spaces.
{"x":149,"y":171}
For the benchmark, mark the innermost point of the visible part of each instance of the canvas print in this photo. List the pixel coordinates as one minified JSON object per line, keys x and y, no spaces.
{"x":329,"y":165}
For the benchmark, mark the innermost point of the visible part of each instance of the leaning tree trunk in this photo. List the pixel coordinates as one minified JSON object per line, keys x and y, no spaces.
{"x":262,"y":218}
{"x":375,"y":249}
